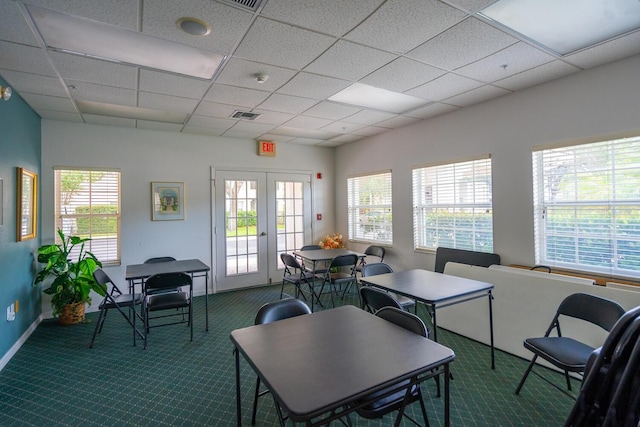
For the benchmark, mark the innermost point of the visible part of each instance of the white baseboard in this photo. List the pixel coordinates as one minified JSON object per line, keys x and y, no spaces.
{"x":15,"y":347}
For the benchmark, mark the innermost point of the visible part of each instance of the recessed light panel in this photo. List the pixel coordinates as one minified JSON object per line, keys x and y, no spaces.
{"x":565,"y":26}
{"x":379,"y":99}
{"x":86,"y":37}
{"x":123,"y":111}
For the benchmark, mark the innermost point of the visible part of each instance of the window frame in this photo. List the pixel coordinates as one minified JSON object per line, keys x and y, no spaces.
{"x":588,"y":212}
{"x":95,"y":197}
{"x":382,"y":221}
{"x":421,"y":241}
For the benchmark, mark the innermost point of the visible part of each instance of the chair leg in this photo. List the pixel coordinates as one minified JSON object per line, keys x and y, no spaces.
{"x":566,"y":375}
{"x":255,"y":402}
{"x":424,"y":409}
{"x":98,"y":326}
{"x":526,"y":373}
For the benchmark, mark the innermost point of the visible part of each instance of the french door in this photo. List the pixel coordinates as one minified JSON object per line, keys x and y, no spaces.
{"x":258,"y":215}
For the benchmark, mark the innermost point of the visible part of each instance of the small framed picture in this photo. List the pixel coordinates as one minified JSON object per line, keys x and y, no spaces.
{"x":167,"y":201}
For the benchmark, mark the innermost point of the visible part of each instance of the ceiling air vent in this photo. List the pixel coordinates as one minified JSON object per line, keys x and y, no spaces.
{"x":245,"y":115}
{"x":251,"y":5}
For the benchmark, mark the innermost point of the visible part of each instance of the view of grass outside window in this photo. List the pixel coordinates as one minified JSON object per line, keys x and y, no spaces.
{"x":370,"y":216}
{"x":453,"y":206}
{"x":88,"y":205}
{"x":587,"y":206}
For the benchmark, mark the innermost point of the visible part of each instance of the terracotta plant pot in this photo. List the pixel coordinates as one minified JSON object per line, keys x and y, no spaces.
{"x":72,"y":314}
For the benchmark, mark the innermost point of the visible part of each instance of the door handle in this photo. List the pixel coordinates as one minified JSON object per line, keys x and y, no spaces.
{"x":264,"y":233}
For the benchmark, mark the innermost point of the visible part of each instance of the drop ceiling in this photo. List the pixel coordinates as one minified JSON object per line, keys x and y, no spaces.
{"x":442,"y":52}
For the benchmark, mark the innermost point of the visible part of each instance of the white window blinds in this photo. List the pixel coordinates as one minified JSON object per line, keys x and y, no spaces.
{"x":587,"y":206}
{"x":453,"y":206}
{"x":370,"y":216}
{"x":88,"y":205}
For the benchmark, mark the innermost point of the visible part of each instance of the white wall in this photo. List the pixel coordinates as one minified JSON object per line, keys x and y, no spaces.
{"x":597,"y":103}
{"x":144,"y":156}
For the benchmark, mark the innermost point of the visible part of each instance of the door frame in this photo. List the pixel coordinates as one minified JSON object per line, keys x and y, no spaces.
{"x":213,"y":207}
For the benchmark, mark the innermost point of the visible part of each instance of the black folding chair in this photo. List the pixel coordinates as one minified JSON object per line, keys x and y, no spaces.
{"x":115,"y":299}
{"x":564,"y":352}
{"x":295,"y":274}
{"x":157,"y":298}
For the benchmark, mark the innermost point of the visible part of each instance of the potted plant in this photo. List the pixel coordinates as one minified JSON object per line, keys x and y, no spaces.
{"x":72,"y":271}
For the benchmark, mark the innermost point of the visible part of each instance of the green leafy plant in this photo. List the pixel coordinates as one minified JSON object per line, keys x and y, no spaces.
{"x":72,"y":277}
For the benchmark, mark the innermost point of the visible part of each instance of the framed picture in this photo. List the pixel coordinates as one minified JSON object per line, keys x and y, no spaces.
{"x":26,"y":206}
{"x":167,"y":201}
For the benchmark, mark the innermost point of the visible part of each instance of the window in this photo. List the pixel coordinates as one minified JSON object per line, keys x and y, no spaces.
{"x":587,"y":206}
{"x":88,"y":205}
{"x":453,"y":206}
{"x":370,"y":212}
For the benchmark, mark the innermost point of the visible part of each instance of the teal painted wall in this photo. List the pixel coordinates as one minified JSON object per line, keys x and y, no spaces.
{"x":19,"y":147}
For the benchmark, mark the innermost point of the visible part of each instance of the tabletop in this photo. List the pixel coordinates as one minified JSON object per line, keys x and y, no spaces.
{"x":321,"y":361}
{"x":142,"y":271}
{"x":427,"y":286}
{"x":325,"y":254}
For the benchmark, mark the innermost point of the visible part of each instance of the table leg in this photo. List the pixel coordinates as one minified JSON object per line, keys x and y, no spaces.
{"x":206,"y":300}
{"x":435,"y":323}
{"x":493,"y":362}
{"x":447,"y":421}
{"x":238,"y":402}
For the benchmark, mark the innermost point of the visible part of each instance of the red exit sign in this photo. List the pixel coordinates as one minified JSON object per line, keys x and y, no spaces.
{"x":267,"y":148}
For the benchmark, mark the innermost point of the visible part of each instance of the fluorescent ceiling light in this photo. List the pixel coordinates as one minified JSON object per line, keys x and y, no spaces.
{"x":137,"y":113}
{"x":565,"y":26}
{"x":379,"y":99}
{"x":86,"y":37}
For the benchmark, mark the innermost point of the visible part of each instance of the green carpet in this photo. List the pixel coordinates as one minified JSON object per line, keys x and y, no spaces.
{"x":56,"y":380}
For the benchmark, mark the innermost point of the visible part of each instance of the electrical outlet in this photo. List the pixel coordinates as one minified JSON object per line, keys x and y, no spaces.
{"x":11,"y":313}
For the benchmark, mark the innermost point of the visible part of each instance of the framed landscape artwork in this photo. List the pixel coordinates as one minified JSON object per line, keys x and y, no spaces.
{"x":26,"y":204}
{"x":167,"y":201}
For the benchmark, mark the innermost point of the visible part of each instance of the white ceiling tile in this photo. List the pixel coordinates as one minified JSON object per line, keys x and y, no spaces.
{"x":398,"y":121}
{"x":304,"y":133}
{"x":73,"y":67}
{"x":402,"y":74}
{"x":400,"y":25}
{"x":34,"y":83}
{"x":331,"y":111}
{"x":252,"y":126}
{"x":167,"y":127}
{"x":431,"y":110}
{"x":342,"y":139}
{"x":100,"y":93}
{"x":213,"y":109}
{"x":544,"y":73}
{"x":109,"y":121}
{"x":242,"y":134}
{"x":444,"y":87}
{"x":349,"y":61}
{"x":613,"y":50}
{"x":466,"y":42}
{"x":331,"y":17}
{"x":518,"y":58}
{"x":476,"y":96}
{"x":342,"y":127}
{"x":313,"y":86}
{"x":283,"y":45}
{"x":472,"y":5}
{"x":287,"y":104}
{"x":369,"y":117}
{"x":158,"y":101}
{"x":123,"y":13}
{"x":227,"y":23}
{"x":305,"y":122}
{"x":211,"y":122}
{"x":24,"y":58}
{"x":272,"y":117}
{"x":13,"y":26}
{"x":224,"y":94}
{"x":370,"y":131}
{"x":49,"y":102}
{"x":195,"y":130}
{"x":241,"y":73}
{"x":171,"y":84}
{"x":306,"y":141}
{"x":59,"y":115}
